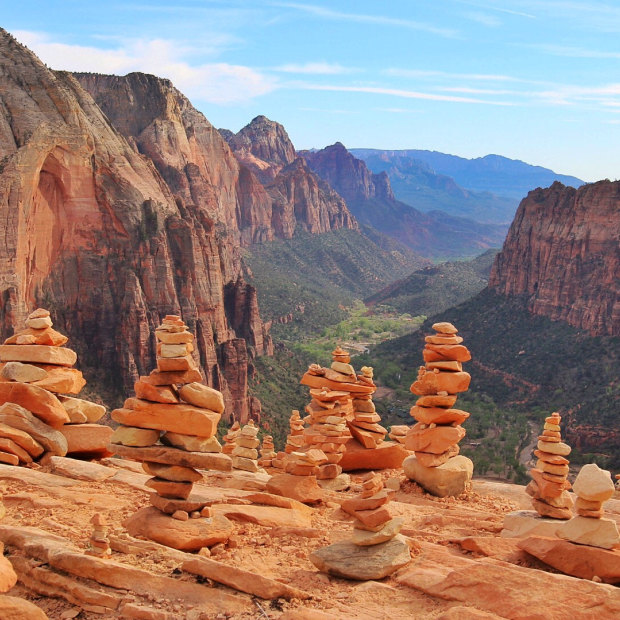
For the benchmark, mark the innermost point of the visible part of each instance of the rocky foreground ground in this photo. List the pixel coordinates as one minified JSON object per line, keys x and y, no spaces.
{"x":461,"y":568}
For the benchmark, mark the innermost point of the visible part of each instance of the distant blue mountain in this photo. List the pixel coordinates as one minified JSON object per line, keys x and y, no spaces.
{"x":498,"y":175}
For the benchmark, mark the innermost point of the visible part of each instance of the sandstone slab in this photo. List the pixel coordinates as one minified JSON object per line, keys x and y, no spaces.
{"x":38,"y":354}
{"x":301,"y":488}
{"x":174,"y":473}
{"x":580,"y":561}
{"x":87,"y":440}
{"x":267,"y":516}
{"x":202,"y":395}
{"x":170,"y":489}
{"x":189,"y":535}
{"x":155,"y":393}
{"x":62,"y":380}
{"x":80,"y":470}
{"x":134,"y":437}
{"x":25,"y":373}
{"x":436,"y":440}
{"x":522,"y":523}
{"x":191,"y":443}
{"x":52,"y":440}
{"x":365,"y":538}
{"x":43,"y":404}
{"x":387,"y":455}
{"x":93,"y":412}
{"x":449,"y":479}
{"x":587,"y":531}
{"x":345,"y":559}
{"x":164,"y":417}
{"x":22,"y":439}
{"x":10,"y":447}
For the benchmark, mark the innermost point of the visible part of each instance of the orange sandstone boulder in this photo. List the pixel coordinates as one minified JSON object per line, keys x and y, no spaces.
{"x":38,"y":401}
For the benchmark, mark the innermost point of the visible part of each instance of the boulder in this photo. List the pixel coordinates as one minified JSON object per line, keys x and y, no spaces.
{"x":580,"y":561}
{"x":191,"y":535}
{"x":587,"y":531}
{"x":365,"y":538}
{"x":436,"y":440}
{"x":22,"y":439}
{"x":13,"y":608}
{"x":25,"y":373}
{"x":8,"y":578}
{"x":302,"y":488}
{"x":593,"y":483}
{"x":202,"y":395}
{"x":345,"y":559}
{"x":387,"y":455}
{"x":449,"y":479}
{"x":62,"y":380}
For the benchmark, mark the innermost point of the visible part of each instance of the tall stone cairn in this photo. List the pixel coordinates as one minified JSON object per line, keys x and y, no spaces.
{"x":170,"y":424}
{"x":267,"y":452}
{"x":229,"y":438}
{"x":37,"y":414}
{"x":549,"y":485}
{"x":245,"y":453}
{"x":365,"y":425}
{"x":438,"y":431}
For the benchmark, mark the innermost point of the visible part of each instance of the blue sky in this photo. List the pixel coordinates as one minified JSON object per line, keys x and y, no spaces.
{"x":537,"y":80}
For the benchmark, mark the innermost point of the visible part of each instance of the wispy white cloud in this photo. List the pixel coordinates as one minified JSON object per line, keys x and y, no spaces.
{"x":379,"y":20}
{"x":315,"y":68}
{"x":396,"y":92}
{"x":574,"y":52}
{"x":218,"y":83}
{"x":492,"y":7}
{"x":484,"y":18}
{"x":607,"y":95}
{"x":420,"y":73}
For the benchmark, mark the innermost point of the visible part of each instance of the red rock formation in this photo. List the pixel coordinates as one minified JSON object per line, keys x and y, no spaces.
{"x":563,"y":253}
{"x":94,"y":231}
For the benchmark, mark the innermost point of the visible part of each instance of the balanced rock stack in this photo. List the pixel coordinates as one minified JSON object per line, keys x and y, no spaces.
{"x":295,"y":438}
{"x":229,"y":438}
{"x":593,"y":486}
{"x":99,"y":543}
{"x":435,"y":437}
{"x":170,"y":426}
{"x":245,"y":453}
{"x":365,"y":425}
{"x":267,"y":452}
{"x":549,"y":485}
{"x":327,"y":432}
{"x":376,"y":549}
{"x":36,"y":415}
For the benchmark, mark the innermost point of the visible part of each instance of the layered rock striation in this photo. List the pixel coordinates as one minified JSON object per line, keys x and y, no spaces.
{"x":563,"y":254}
{"x":114,"y":227}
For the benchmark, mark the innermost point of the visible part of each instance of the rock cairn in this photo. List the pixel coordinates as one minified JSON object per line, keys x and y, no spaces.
{"x":99,"y":543}
{"x":549,"y":485}
{"x":365,"y":425}
{"x":245,"y":453}
{"x":37,"y":416}
{"x":373,"y":522}
{"x":593,"y":487}
{"x":267,"y":452}
{"x":229,"y":438}
{"x":327,"y":431}
{"x":435,"y":437}
{"x":376,"y":548}
{"x":295,"y":438}
{"x":170,"y":425}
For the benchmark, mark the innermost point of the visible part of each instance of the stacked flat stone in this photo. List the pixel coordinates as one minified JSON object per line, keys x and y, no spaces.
{"x":376,"y":548}
{"x":593,"y":487}
{"x":365,"y":425}
{"x":373,"y":522}
{"x":435,"y":437}
{"x":99,"y":543}
{"x":245,"y":454}
{"x":295,"y":438}
{"x":267,"y":452}
{"x":549,"y":485}
{"x":436,"y":465}
{"x":170,"y":424}
{"x":36,"y":414}
{"x":327,"y":431}
{"x":306,"y":463}
{"x":398,"y":433}
{"x":229,"y":438}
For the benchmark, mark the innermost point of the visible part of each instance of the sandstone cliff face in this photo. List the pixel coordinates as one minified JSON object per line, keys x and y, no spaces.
{"x":300,"y":199}
{"x":111,"y":240}
{"x":563,"y":253}
{"x":348,"y":175}
{"x":371,"y":200}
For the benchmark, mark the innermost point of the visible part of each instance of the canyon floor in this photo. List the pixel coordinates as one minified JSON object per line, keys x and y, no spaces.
{"x":461,"y":568}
